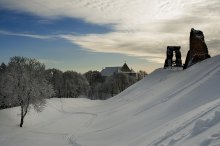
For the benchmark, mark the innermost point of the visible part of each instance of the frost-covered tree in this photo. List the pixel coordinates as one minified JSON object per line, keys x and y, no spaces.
{"x":141,"y":74}
{"x":3,"y":103}
{"x":25,"y":84}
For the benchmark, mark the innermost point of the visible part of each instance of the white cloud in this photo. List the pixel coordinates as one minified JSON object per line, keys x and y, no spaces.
{"x":142,"y":28}
{"x":124,"y":14}
{"x":134,"y":44}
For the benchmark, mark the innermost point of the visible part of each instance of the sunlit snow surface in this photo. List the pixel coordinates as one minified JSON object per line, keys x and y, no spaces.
{"x":167,"y":108}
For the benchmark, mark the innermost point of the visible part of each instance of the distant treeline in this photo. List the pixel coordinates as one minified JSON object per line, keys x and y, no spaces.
{"x":71,"y":84}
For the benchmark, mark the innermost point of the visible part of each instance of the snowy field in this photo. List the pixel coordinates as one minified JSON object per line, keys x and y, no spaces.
{"x":167,"y":108}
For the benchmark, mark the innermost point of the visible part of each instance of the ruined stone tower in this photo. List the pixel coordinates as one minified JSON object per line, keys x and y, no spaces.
{"x":198,"y":50}
{"x":170,"y":62}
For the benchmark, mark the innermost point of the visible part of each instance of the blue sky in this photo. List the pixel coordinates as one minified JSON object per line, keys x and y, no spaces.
{"x":92,"y":34}
{"x":55,"y":52}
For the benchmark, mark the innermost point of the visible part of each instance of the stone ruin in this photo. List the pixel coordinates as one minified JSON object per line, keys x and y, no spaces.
{"x":198,"y":50}
{"x":170,"y":62}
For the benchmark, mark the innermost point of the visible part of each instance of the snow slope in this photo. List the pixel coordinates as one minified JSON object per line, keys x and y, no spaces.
{"x":166,"y":108}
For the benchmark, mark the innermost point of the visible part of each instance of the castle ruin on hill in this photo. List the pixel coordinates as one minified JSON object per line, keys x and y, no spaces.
{"x":198,"y":51}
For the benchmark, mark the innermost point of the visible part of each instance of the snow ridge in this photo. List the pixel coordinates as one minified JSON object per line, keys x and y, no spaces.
{"x":167,"y":108}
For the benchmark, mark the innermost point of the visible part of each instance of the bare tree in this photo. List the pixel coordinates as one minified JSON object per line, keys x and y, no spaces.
{"x":25,"y":84}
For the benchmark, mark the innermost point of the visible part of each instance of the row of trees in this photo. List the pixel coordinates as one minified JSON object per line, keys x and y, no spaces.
{"x":92,"y":84}
{"x":106,"y":87}
{"x":25,"y":82}
{"x":69,"y":84}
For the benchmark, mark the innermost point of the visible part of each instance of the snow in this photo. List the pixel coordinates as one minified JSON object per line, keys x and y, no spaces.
{"x":166,"y":108}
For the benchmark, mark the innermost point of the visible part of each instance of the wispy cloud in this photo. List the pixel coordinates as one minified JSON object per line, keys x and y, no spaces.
{"x":141,"y":28}
{"x":3,"y":32}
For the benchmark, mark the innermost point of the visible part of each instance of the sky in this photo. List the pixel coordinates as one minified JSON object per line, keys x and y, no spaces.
{"x":85,"y":35}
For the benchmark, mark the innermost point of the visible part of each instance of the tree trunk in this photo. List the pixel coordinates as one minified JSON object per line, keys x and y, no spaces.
{"x":22,"y":116}
{"x":24,"y":110}
{"x":22,"y":121}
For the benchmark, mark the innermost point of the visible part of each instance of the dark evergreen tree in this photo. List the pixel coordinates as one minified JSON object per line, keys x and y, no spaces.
{"x":55,"y":77}
{"x":2,"y":67}
{"x":74,"y":85}
{"x":94,"y":78}
{"x":116,"y":84}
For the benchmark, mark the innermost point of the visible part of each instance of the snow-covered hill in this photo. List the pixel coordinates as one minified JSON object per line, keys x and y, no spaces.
{"x":166,"y":108}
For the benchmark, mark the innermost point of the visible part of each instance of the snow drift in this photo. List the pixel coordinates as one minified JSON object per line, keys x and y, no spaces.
{"x":167,"y":108}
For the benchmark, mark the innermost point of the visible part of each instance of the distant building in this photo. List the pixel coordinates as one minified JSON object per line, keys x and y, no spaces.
{"x":109,"y":71}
